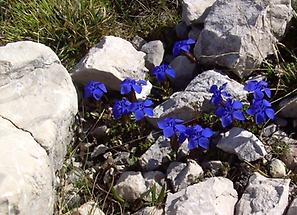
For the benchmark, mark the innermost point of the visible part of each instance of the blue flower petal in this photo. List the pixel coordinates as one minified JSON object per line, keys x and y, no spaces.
{"x":138,"y":115}
{"x":148,"y":111}
{"x":238,"y":115}
{"x":207,"y":132}
{"x":168,"y":132}
{"x":270,"y":113}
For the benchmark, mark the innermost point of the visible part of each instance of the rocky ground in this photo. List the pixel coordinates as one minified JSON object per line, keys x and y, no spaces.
{"x":122,"y":165}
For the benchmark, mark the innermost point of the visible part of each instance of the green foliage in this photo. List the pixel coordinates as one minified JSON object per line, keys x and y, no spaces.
{"x":156,"y":198}
{"x":71,"y":27}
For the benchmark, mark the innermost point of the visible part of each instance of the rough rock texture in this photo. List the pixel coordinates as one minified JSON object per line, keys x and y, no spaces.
{"x":293,"y":208}
{"x":195,"y":99}
{"x":130,"y":185}
{"x":195,"y":11}
{"x":154,"y":53}
{"x":277,"y":168}
{"x":240,"y":34}
{"x":25,"y":173}
{"x":214,"y":196}
{"x":156,"y":155}
{"x":195,"y":31}
{"x":264,"y":196}
{"x":289,"y":108}
{"x":182,"y":175}
{"x":37,"y":95}
{"x":110,"y":62}
{"x":89,"y":208}
{"x":181,"y":30}
{"x":242,"y":143}
{"x":184,"y":71}
{"x":150,"y":211}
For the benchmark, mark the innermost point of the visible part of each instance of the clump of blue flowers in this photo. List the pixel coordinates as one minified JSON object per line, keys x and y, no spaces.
{"x":162,"y":71}
{"x":171,"y":126}
{"x":231,"y":110}
{"x":94,"y":90}
{"x":197,"y":137}
{"x":121,"y":108}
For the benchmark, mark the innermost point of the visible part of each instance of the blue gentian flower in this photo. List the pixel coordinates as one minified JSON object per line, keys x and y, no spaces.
{"x":121,"y":108}
{"x":170,"y":126}
{"x":218,"y":94}
{"x":229,"y":112}
{"x":197,"y":136}
{"x":182,"y":46}
{"x":129,"y":85}
{"x":94,"y":89}
{"x":258,"y":88}
{"x":161,"y":71}
{"x":141,"y":108}
{"x":261,"y":109}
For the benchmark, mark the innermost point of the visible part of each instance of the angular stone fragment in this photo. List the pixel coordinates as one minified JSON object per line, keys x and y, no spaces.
{"x":264,"y":196}
{"x":195,"y":11}
{"x":110,"y":62}
{"x":240,"y":34}
{"x":150,"y":211}
{"x":26,"y":175}
{"x":89,"y":208}
{"x":194,"y":100}
{"x":277,"y":168}
{"x":154,"y":53}
{"x":182,"y":175}
{"x":213,"y":196}
{"x":242,"y":143}
{"x":156,"y":155}
{"x":130,"y":185}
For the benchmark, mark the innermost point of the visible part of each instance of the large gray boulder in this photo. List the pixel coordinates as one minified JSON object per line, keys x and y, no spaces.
{"x":154,"y":53}
{"x":111,"y":61}
{"x":240,"y":34}
{"x":38,"y":96}
{"x":194,"y":100}
{"x":38,"y":103}
{"x":25,"y":173}
{"x":213,"y":196}
{"x":264,"y":196}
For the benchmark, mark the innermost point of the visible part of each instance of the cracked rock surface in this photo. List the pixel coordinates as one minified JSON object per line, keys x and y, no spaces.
{"x":38,"y":103}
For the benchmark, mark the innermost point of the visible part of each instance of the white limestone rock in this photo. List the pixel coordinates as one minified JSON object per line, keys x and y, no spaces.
{"x":240,"y":34}
{"x":156,"y":155}
{"x":213,"y":196}
{"x":25,"y":173}
{"x":130,"y":185}
{"x":37,"y":95}
{"x":150,"y":211}
{"x":242,"y":143}
{"x":89,"y":208}
{"x":194,"y":100}
{"x":111,"y":61}
{"x":277,"y":168}
{"x":154,"y":53}
{"x":195,"y":11}
{"x":264,"y":196}
{"x":182,"y":175}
